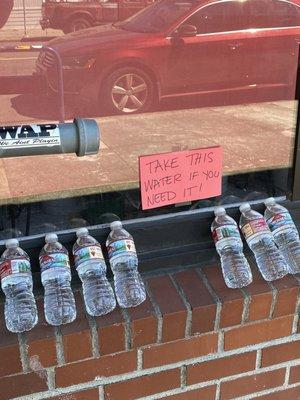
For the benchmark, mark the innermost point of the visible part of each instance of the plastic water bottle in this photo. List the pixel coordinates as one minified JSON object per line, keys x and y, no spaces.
{"x":269,"y":259}
{"x":98,"y":294}
{"x":129,"y":287}
{"x":285,"y":233}
{"x":235,"y":267}
{"x":59,"y":302}
{"x":16,"y":282}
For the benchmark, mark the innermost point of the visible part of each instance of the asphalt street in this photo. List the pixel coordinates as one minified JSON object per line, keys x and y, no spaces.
{"x":17,"y":64}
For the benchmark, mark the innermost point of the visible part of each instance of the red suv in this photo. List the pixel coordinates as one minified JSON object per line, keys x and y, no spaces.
{"x":178,"y":48}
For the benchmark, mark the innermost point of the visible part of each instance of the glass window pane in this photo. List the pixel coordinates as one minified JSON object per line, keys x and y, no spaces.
{"x":220,"y":17}
{"x":273,"y":13}
{"x":154,"y":85}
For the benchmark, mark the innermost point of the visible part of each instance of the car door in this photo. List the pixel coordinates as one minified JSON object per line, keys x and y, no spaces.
{"x":212,"y":60}
{"x":272,"y":48}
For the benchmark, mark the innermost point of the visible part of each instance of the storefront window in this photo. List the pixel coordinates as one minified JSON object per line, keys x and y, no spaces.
{"x":162,"y":77}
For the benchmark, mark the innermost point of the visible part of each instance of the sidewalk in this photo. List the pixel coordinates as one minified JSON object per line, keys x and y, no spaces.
{"x":32,"y":34}
{"x":245,"y":132}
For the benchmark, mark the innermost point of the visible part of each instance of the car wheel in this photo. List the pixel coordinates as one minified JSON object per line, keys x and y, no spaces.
{"x":77,"y":24}
{"x":127,"y":91}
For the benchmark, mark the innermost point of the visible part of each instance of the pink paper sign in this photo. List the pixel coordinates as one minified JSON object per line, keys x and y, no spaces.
{"x":177,"y":177}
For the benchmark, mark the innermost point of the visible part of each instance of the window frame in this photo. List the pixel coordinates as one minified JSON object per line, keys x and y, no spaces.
{"x":295,"y":174}
{"x":296,"y":180}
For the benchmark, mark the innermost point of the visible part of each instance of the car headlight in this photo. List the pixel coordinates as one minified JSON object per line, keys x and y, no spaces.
{"x":81,"y":62}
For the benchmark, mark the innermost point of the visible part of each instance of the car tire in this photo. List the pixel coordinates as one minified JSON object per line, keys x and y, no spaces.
{"x":127,"y":90}
{"x":77,"y":24}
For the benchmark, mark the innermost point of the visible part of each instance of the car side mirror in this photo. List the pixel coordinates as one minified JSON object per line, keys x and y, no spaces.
{"x":186,"y":31}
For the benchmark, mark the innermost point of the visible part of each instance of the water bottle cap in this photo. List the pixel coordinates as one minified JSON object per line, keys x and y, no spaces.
{"x":82,"y":232}
{"x":219,"y":211}
{"x":51,"y":238}
{"x":10,"y":243}
{"x":116,"y":225}
{"x":270,"y":201}
{"x":245,"y":207}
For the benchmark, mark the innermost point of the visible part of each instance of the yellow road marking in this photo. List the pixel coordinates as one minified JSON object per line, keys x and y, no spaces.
{"x":17,"y":58}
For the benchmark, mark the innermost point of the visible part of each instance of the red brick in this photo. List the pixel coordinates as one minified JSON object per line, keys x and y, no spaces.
{"x":232,"y":299}
{"x":9,"y":349}
{"x":289,"y":394}
{"x":251,"y":384}
{"x":258,"y":332}
{"x":88,"y":370}
{"x":143,"y":324}
{"x":41,"y":342}
{"x":42,"y":354}
{"x":143,"y":386}
{"x":295,"y":374}
{"x":216,"y":369}
{"x":171,"y":307}
{"x":281,"y":353}
{"x":10,"y":360}
{"x":260,"y":297}
{"x":111,"y":332}
{"x":168,"y":353}
{"x":202,"y":304}
{"x":288,"y":289}
{"x":23,"y":384}
{"x":92,"y":394}
{"x":7,"y":338}
{"x":76,"y":336}
{"x":206,"y":393}
{"x":77,"y":346}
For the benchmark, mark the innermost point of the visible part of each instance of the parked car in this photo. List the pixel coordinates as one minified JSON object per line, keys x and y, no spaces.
{"x":178,"y":48}
{"x":70,"y":16}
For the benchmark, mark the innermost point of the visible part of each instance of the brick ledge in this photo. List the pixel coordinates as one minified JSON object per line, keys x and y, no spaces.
{"x":188,"y":316}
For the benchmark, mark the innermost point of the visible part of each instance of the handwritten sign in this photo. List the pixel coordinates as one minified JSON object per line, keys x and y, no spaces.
{"x":170,"y":178}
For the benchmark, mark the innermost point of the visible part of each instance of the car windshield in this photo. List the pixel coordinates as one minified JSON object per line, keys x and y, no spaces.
{"x":157,"y":17}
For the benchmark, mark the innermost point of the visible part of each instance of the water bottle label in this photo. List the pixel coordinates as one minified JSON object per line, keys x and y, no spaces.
{"x":54,"y":260}
{"x":87,"y":253}
{"x":17,"y":266}
{"x":280,"y":221}
{"x":255,"y":226}
{"x":120,"y":247}
{"x":224,"y":232}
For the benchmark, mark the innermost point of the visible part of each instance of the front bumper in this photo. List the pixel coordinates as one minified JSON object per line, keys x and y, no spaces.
{"x":82,"y":96}
{"x":77,"y":82}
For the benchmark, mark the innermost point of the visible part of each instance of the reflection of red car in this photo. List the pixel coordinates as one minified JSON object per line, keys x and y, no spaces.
{"x":178,"y":48}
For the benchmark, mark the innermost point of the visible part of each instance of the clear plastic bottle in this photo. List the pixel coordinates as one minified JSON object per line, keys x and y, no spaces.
{"x":59,"y":302}
{"x":98,"y":294}
{"x":235,"y":267}
{"x":285,"y":233}
{"x":129,"y":287}
{"x":16,"y":282}
{"x":269,"y":259}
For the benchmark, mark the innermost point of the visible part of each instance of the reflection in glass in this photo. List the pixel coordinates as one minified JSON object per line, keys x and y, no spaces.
{"x":195,"y":75}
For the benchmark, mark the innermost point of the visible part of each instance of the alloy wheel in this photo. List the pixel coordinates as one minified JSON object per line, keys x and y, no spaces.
{"x":129,"y":93}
